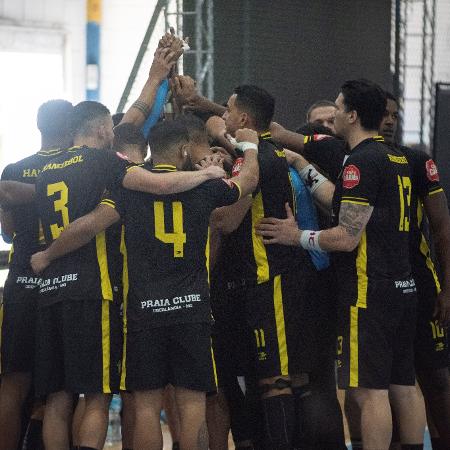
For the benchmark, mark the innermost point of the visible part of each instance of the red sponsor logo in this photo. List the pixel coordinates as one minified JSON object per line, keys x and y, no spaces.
{"x":320,"y":137}
{"x":122,"y":156}
{"x":432,"y":171}
{"x":237,"y":167}
{"x":351,"y":177}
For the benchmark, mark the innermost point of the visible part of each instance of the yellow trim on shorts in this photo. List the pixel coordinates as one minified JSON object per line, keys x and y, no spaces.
{"x":425,"y":250}
{"x":216,"y":379}
{"x":361,"y":271}
{"x":354,"y":351}
{"x":123,"y":250}
{"x":281,"y":329}
{"x":259,"y":250}
{"x":436,"y":191}
{"x":1,"y":329}
{"x":106,"y":347}
{"x":102,"y":259}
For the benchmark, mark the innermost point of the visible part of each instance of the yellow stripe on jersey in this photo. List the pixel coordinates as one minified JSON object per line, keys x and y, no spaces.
{"x":125,"y":282}
{"x":259,"y":250}
{"x":425,"y":250}
{"x":281,"y":329}
{"x":361,"y":271}
{"x":11,"y":251}
{"x":436,"y":191}
{"x":1,"y":329}
{"x":208,"y":251}
{"x":102,"y":259}
{"x":356,"y":202}
{"x":354,"y":351}
{"x":346,"y":197}
{"x":106,"y":347}
{"x":266,"y":135}
{"x":238,"y":188}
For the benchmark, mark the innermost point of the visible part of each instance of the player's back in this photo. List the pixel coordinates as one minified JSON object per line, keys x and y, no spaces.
{"x":28,"y":237}
{"x":69,"y":187}
{"x":167,"y":246}
{"x":376,"y":175}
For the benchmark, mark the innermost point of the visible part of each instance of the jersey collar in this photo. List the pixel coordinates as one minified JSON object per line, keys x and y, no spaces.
{"x":265,"y":136}
{"x":164,"y":168}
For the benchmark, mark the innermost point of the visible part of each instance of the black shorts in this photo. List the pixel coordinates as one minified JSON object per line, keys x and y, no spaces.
{"x":231,"y":336}
{"x":431,"y":344}
{"x":79,"y":345}
{"x":18,"y":329}
{"x":273,"y":313}
{"x":179,"y":354}
{"x":376,"y":336}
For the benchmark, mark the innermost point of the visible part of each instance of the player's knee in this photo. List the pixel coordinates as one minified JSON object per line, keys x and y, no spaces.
{"x":274,"y":386}
{"x":362,"y":396}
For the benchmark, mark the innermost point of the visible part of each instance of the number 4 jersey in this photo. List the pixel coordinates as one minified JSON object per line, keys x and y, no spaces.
{"x":167,"y":251}
{"x":67,"y":188}
{"x":379,"y":176}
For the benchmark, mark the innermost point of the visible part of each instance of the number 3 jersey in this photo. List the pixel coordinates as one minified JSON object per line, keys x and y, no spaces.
{"x":379,"y":176}
{"x":69,"y":187}
{"x":167,"y":249}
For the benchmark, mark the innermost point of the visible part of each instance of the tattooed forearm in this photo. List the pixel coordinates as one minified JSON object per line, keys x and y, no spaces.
{"x":353,"y":218}
{"x":202,"y":437}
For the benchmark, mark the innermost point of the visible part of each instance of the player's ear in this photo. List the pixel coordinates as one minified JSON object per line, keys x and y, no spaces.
{"x":244,"y":120}
{"x":353,"y":116}
{"x":185,"y":150}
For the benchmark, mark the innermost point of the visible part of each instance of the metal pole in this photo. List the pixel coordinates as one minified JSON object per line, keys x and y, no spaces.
{"x":210,"y":40}
{"x":94,"y":14}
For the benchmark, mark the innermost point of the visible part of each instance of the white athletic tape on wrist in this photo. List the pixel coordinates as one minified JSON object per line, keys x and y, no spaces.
{"x":245,"y":145}
{"x":309,"y":240}
{"x":312,"y":178}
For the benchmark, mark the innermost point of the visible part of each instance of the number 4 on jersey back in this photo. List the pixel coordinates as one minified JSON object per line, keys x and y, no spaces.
{"x":178,"y":237}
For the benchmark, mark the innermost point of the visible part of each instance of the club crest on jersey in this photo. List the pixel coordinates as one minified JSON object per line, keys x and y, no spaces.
{"x":351,"y":177}
{"x":432,"y":172}
{"x":237,"y":167}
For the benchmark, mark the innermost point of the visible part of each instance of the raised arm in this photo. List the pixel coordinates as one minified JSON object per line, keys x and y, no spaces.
{"x":15,"y":193}
{"x":138,"y":179}
{"x":437,"y":212}
{"x":320,"y":187}
{"x":77,"y":234}
{"x":164,"y":60}
{"x":286,"y":138}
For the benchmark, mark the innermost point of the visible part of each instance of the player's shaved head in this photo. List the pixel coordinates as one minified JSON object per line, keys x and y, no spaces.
{"x":126,"y":135}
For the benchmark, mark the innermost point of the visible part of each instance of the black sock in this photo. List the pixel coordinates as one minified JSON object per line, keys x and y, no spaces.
{"x":412,"y":446}
{"x":175,"y":446}
{"x":319,"y":419}
{"x":279,"y":420}
{"x":33,"y":436}
{"x":357,"y":444}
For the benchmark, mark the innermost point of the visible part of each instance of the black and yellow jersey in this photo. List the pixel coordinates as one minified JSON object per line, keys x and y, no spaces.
{"x":327,"y":152}
{"x":425,"y":182}
{"x":376,"y":175}
{"x":167,"y":247}
{"x":28,"y":236}
{"x":67,"y":188}
{"x":243,"y":255}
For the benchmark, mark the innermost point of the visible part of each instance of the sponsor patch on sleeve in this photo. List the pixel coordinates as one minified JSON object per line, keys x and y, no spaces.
{"x":237,"y":167}
{"x":432,"y":171}
{"x":321,"y":137}
{"x":351,"y":177}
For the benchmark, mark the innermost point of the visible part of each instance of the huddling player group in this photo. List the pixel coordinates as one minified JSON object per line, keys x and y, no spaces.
{"x":234,"y":277}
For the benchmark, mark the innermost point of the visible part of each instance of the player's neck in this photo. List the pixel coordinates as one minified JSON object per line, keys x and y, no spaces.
{"x":87,"y":141}
{"x":359,"y":135}
{"x":54,"y":143}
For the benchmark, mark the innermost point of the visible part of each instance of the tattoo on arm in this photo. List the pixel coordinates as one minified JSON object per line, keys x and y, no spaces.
{"x":142,"y":107}
{"x":353,"y":218}
{"x":202,"y":437}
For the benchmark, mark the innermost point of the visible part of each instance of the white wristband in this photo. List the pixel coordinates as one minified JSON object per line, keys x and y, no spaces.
{"x":309,"y":240}
{"x":312,"y":178}
{"x":245,"y":145}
